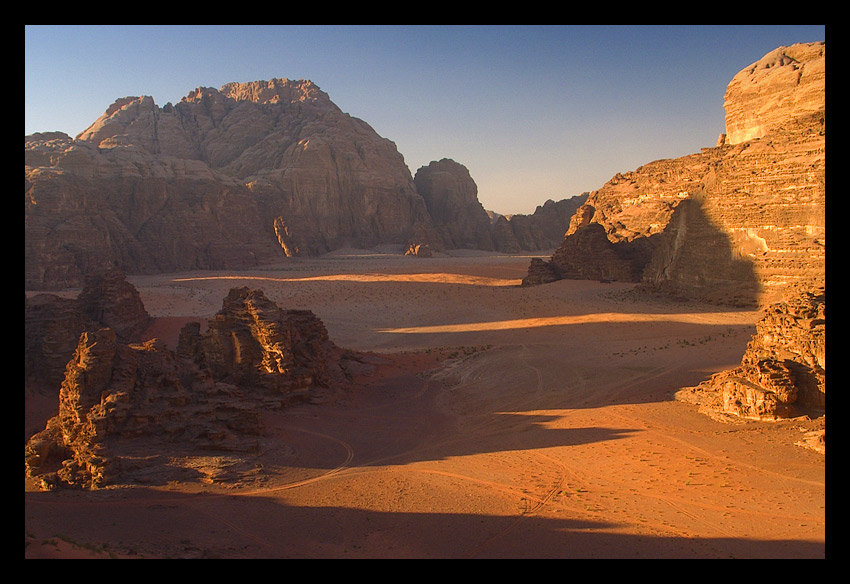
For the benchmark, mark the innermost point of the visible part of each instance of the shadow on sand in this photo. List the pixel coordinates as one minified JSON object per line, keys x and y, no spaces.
{"x":155,"y":524}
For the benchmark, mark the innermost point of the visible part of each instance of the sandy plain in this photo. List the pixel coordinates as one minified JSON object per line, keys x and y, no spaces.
{"x":500,"y":422}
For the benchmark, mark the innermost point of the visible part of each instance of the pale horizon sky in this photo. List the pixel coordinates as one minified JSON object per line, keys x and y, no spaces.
{"x":534,"y":112}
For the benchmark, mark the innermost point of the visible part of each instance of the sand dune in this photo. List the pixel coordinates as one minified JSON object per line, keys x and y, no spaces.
{"x":504,"y":422}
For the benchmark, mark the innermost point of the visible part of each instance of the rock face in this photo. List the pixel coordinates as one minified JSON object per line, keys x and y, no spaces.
{"x":734,"y":224}
{"x":248,"y":174}
{"x":785,"y":84}
{"x":451,"y":197}
{"x":782,"y":372}
{"x":52,"y":325}
{"x":542,"y":230}
{"x":122,"y":405}
{"x":461,"y":221}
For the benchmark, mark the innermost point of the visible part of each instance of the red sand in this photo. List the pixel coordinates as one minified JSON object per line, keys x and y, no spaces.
{"x":503,"y":422}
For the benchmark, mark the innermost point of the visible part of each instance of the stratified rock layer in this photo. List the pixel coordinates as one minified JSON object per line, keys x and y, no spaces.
{"x":734,"y":224}
{"x":253,"y":342}
{"x":785,"y":84}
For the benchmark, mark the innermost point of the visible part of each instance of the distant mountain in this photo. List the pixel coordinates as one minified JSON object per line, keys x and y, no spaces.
{"x":244,"y":175}
{"x":542,"y":230}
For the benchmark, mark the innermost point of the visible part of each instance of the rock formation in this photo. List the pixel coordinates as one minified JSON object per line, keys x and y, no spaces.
{"x":782,"y":372}
{"x":461,"y":221}
{"x":52,"y":325}
{"x":252,"y":342}
{"x":122,"y":405}
{"x":451,"y":197}
{"x":542,"y":230}
{"x":419,"y":250}
{"x":541,"y":272}
{"x":245,"y":175}
{"x":240,"y":176}
{"x":785,"y":84}
{"x":734,"y":224}
{"x":112,"y":395}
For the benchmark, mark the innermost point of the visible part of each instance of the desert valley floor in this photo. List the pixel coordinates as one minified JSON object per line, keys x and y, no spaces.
{"x":499,"y":422}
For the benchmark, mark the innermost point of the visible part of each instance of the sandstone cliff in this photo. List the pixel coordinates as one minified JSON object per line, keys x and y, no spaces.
{"x":122,"y":406}
{"x":786,"y":84}
{"x":240,"y":176}
{"x":733,"y":224}
{"x":245,"y":175}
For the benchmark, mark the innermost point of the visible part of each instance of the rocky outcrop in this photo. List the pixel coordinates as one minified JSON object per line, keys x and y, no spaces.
{"x":52,"y":325}
{"x":461,"y":221}
{"x":113,"y":393}
{"x":588,"y":254}
{"x":235,"y":177}
{"x":109,"y":300}
{"x":782,"y":372}
{"x":253,"y":342}
{"x":451,"y":197}
{"x":734,"y":224}
{"x":541,"y":272}
{"x":121,"y":406}
{"x":419,"y":250}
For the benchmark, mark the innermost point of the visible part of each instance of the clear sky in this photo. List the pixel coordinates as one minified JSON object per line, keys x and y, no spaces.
{"x":534,"y":112}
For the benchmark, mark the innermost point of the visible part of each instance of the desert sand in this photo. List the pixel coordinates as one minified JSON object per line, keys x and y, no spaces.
{"x":500,"y":422}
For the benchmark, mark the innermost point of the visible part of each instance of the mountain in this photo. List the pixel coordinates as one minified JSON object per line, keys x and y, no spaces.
{"x":244,"y":175}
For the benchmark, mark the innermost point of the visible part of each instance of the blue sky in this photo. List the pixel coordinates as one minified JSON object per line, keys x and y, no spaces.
{"x":534,"y":112}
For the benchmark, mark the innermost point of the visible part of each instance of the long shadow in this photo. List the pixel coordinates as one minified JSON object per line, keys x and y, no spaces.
{"x":234,"y":526}
{"x":409,"y":447}
{"x":694,"y":258}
